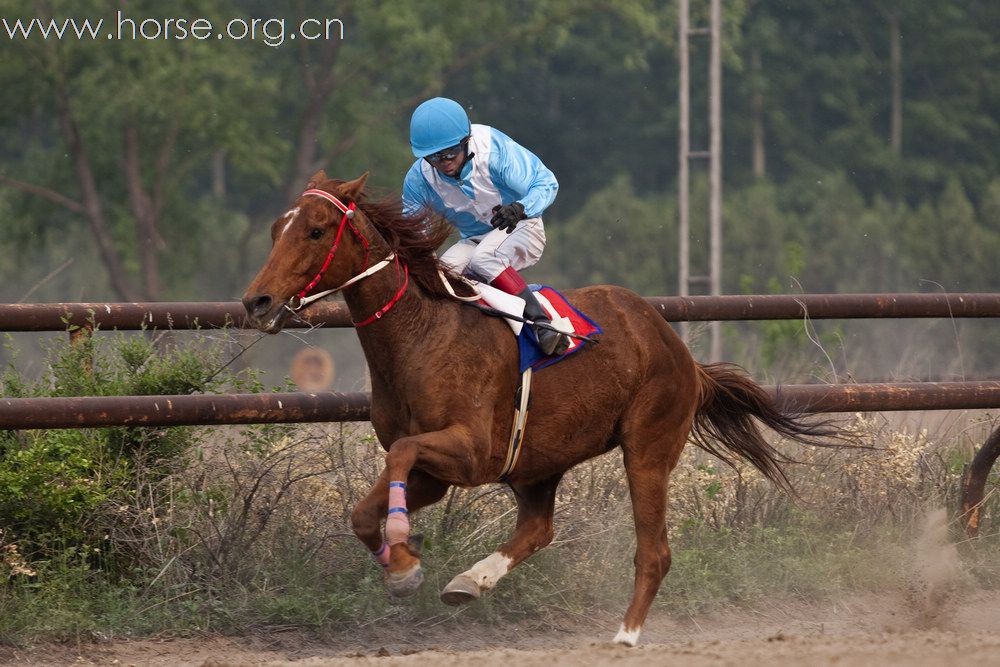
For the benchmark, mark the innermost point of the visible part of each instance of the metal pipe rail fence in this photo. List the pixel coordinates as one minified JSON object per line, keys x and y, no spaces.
{"x":82,"y":412}
{"x":193,"y":315}
{"x":302,"y":407}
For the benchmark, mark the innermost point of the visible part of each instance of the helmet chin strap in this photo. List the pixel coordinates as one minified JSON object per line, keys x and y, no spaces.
{"x":468,"y":155}
{"x":468,"y":158}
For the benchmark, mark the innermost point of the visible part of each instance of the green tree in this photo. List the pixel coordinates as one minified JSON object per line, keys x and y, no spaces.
{"x":118,"y":130}
{"x":617,"y":238}
{"x":166,"y":149}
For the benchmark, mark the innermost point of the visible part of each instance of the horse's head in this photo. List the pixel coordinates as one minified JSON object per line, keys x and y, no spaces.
{"x":315,"y":246}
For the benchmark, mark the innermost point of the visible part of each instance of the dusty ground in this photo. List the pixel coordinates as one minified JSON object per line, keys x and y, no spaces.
{"x":937,"y":620}
{"x":865,"y":630}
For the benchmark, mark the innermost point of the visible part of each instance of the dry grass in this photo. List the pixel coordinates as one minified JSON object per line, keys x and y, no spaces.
{"x":254,"y":532}
{"x":309,"y":483}
{"x":310,"y":478}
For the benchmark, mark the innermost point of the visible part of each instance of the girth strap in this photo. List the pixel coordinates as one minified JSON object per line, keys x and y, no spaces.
{"x":523,"y":395}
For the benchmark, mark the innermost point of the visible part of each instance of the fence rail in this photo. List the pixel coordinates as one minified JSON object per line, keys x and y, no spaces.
{"x":192,"y":315}
{"x":291,"y":407}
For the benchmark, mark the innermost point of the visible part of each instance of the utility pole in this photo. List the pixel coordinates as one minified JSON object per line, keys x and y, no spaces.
{"x":714,"y":156}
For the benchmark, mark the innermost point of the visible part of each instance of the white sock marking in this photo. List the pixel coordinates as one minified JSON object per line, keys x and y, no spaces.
{"x":487,"y":572}
{"x":627,"y":637}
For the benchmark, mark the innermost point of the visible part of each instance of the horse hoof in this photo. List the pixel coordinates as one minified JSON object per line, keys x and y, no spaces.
{"x":404,"y":584}
{"x":460,"y":590}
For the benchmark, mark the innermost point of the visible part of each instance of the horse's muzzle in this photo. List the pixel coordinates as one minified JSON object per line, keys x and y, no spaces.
{"x":263,"y":314}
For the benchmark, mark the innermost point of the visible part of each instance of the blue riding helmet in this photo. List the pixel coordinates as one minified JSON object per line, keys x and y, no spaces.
{"x":437,"y":124}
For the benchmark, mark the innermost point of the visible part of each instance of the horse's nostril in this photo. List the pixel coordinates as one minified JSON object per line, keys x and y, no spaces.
{"x":257,"y":305}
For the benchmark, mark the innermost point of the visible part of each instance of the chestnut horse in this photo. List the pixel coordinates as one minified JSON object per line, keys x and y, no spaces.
{"x":443,"y":388}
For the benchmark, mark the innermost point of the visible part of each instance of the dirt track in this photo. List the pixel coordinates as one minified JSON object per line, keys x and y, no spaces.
{"x":871,"y":630}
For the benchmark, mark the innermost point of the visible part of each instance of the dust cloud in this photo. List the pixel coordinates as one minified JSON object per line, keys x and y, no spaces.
{"x":936,"y":576}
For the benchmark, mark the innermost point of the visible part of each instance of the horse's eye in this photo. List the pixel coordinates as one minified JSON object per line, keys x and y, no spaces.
{"x":316,"y":233}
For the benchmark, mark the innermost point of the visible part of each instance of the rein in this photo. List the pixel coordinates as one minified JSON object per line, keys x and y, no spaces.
{"x":303,"y":298}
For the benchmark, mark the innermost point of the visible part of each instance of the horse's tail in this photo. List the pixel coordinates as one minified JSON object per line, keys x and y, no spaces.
{"x":730,"y":401}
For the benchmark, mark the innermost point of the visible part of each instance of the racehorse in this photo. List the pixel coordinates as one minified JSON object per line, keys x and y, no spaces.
{"x":443,"y":380}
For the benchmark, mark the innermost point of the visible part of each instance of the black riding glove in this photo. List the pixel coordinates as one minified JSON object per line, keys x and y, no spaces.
{"x":506,"y":217}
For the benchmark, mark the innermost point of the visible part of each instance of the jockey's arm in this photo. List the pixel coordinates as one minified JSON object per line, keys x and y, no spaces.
{"x":513,"y":167}
{"x":416,"y":193}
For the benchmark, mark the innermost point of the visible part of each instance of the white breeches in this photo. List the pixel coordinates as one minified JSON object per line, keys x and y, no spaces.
{"x":485,"y":257}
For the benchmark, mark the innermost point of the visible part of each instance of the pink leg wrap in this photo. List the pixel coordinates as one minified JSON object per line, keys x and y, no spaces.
{"x":382,"y":555}
{"x":509,"y":281}
{"x":397,"y":524}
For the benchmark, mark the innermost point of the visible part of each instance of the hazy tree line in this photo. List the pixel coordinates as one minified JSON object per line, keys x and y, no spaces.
{"x":861,"y":138}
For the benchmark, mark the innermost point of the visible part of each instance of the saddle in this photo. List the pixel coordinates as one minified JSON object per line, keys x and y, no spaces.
{"x":565,"y":318}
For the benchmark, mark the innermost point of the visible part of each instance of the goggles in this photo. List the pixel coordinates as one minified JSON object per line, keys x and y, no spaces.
{"x":447,"y":153}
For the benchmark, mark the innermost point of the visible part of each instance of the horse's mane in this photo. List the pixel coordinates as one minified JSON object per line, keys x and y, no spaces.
{"x":414,"y":238}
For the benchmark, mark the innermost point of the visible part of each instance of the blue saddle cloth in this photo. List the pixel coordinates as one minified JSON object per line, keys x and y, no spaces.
{"x":530,"y":354}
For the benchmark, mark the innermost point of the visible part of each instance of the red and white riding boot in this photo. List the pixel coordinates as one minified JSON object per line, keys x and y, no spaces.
{"x":550,"y":341}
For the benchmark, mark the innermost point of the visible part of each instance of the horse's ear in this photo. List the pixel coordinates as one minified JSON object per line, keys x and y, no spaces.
{"x":353,"y":189}
{"x":316,"y":179}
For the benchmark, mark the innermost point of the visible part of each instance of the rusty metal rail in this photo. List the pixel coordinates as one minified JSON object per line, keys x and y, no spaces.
{"x":887,"y":397}
{"x":192,"y":315}
{"x":182,"y":410}
{"x":134,"y":316}
{"x":825,"y":306}
{"x":289,"y":407}
{"x":292,"y":407}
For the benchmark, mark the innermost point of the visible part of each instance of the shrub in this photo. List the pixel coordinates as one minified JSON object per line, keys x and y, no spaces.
{"x":64,"y":488}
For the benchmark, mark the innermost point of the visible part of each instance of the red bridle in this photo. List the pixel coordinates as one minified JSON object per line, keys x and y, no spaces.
{"x":303,"y":299}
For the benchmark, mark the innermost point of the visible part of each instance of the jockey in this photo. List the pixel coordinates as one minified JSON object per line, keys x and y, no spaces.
{"x":493,"y":190}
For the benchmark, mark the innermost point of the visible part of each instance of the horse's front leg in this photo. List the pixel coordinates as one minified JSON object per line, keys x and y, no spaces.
{"x":444,"y":458}
{"x":367,"y":516}
{"x":534,"y":530}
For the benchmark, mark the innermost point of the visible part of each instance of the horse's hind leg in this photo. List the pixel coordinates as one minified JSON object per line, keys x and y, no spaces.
{"x":535,"y":505}
{"x":648,"y":461}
